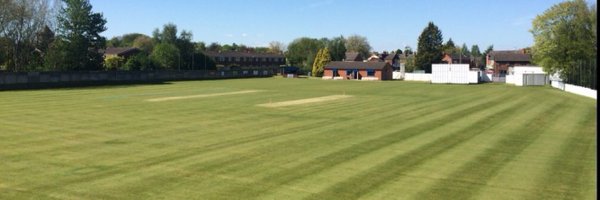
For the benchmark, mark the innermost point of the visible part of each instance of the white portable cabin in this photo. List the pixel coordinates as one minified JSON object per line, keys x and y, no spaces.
{"x":453,"y":74}
{"x":526,"y":75}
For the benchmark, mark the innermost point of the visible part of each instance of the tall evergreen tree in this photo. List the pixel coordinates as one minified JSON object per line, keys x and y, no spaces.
{"x":429,"y":47}
{"x":79,"y":40}
{"x":450,"y":47}
{"x":465,"y":50}
{"x":475,"y":51}
{"x":315,"y":66}
{"x":323,"y":57}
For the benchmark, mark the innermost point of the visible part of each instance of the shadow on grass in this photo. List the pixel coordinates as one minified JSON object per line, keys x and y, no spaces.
{"x":79,"y":85}
{"x":105,"y":84}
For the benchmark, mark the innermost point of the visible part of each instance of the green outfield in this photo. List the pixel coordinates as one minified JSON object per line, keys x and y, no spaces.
{"x":275,"y":138}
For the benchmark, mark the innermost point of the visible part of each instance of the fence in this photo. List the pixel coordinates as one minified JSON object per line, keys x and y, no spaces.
{"x":13,"y":80}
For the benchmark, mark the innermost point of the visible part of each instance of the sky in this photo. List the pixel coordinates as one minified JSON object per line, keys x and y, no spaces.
{"x":387,"y":24}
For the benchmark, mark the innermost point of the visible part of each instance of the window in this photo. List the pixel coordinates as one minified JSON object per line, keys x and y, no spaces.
{"x":335,"y":73}
{"x":370,"y":72}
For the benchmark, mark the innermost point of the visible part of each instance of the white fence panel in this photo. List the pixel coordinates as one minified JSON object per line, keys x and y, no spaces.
{"x":450,"y":73}
{"x":417,"y":77}
{"x":397,"y":75}
{"x":474,"y":77}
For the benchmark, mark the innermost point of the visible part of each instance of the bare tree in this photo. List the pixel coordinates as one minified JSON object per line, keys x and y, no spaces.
{"x":276,"y":47}
{"x":20,"y":22}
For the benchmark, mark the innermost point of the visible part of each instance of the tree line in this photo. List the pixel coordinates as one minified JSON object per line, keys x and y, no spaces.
{"x":55,"y":35}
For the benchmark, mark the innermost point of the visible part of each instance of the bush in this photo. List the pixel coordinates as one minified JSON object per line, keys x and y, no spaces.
{"x":113,"y":63}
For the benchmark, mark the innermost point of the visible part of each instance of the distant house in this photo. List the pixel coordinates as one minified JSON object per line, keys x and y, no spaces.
{"x":374,"y":58}
{"x":234,"y":59}
{"x":393,"y":60}
{"x":353,"y":57}
{"x":358,"y":70}
{"x":456,"y":59}
{"x":500,"y":61}
{"x":124,"y":52}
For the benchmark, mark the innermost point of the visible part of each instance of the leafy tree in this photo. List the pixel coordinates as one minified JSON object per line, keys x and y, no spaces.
{"x":140,"y":61}
{"x":168,"y":34}
{"x":183,"y":44}
{"x":410,"y":64}
{"x":143,"y":43}
{"x":261,"y":49}
{"x":186,"y":49}
{"x":214,"y":47}
{"x":79,"y":39}
{"x":203,"y":62}
{"x":126,"y":40}
{"x":408,"y":50}
{"x":429,"y":47}
{"x":166,"y":56}
{"x":337,"y":48}
{"x":200,"y":46}
{"x":399,"y":51}
{"x":302,"y":52}
{"x":564,"y":35}
{"x":360,"y":44}
{"x":113,"y":62}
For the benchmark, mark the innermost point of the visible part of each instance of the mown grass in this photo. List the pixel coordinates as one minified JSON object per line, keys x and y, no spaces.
{"x":389,"y":140}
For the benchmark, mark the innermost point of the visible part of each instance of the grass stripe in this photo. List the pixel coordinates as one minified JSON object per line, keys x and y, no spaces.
{"x":377,"y":176}
{"x":321,"y":163}
{"x":473,"y":176}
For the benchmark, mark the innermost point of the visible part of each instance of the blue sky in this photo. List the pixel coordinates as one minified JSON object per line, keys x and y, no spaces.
{"x":388,"y":24}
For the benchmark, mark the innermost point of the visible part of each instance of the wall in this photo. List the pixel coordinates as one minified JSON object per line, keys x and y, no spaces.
{"x":13,"y":80}
{"x":417,"y":77}
{"x":587,"y":92}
